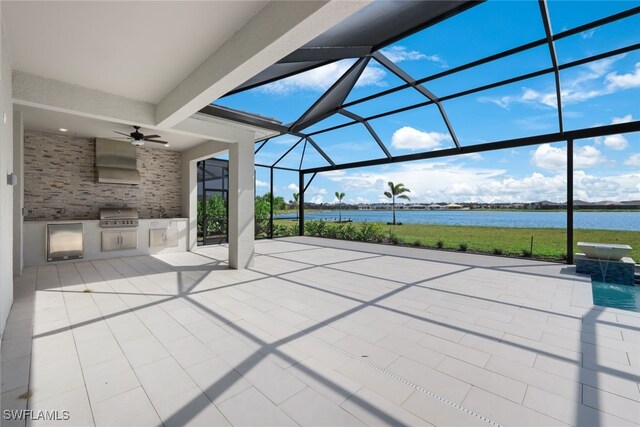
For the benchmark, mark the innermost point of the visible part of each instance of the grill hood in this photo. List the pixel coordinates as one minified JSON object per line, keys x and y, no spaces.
{"x":116,"y":162}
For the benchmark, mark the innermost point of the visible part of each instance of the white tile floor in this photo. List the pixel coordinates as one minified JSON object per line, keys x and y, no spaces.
{"x":319,"y":332}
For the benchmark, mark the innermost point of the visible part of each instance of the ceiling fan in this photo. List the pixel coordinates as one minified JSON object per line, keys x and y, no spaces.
{"x":136,"y":138}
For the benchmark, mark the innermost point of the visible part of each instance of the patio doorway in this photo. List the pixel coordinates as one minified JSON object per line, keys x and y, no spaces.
{"x":213,"y":201}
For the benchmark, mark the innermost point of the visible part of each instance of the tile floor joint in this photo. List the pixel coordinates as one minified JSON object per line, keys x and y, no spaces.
{"x":421,"y":389}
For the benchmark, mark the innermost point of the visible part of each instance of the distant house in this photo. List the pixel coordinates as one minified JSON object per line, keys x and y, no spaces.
{"x":435,"y":207}
{"x":453,"y":206}
{"x":380,"y":206}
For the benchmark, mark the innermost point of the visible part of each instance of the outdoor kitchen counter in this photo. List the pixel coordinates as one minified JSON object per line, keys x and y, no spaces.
{"x":35,"y":239}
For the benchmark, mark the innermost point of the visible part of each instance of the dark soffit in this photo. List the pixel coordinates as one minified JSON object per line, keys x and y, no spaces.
{"x":374,"y":27}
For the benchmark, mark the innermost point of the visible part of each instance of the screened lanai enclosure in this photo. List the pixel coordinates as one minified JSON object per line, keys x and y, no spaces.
{"x":451,"y":70}
{"x":213,"y":201}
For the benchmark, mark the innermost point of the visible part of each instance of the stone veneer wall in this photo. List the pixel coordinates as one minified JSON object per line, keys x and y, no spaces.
{"x":60,"y":180}
{"x":618,"y":272}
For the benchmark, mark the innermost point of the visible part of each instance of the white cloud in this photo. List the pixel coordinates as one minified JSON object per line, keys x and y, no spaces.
{"x":371,"y":76}
{"x":596,"y":79}
{"x":615,"y":142}
{"x":293,"y":187}
{"x":319,"y":199}
{"x":447,"y":181}
{"x":320,"y":79}
{"x":624,"y":119}
{"x":359,"y":200}
{"x":261,"y":183}
{"x":472,"y":156}
{"x":401,"y":53}
{"x":316,"y":190}
{"x":587,"y":34}
{"x":549,"y":157}
{"x":633,"y":160}
{"x":334,"y":173}
{"x":597,"y":188}
{"x":408,"y":138}
{"x":624,"y":81}
{"x":587,"y":156}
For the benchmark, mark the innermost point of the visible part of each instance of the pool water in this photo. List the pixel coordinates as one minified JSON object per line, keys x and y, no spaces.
{"x":625,"y":297}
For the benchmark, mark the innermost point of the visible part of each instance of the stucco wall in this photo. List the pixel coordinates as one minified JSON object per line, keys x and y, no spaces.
{"x":6,"y":191}
{"x":60,"y":174}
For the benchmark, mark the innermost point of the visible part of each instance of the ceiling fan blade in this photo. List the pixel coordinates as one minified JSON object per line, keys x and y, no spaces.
{"x":147,"y":137}
{"x":156,"y":141}
{"x":125,"y":134}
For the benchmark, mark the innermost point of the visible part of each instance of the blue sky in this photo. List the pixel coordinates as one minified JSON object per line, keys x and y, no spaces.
{"x":602,"y":92}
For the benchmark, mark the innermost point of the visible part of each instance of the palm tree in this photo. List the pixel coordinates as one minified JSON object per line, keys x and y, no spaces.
{"x":340,"y":196}
{"x":396,"y":191}
{"x":296,"y":196}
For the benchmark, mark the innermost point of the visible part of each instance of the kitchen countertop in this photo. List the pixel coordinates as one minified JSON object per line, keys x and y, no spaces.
{"x":97,"y":220}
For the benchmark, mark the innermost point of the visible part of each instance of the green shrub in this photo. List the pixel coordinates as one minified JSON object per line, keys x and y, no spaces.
{"x":526,"y":253}
{"x":332,"y":232}
{"x":439,"y":244}
{"x":347,"y":232}
{"x":369,"y":232}
{"x":393,"y":238}
{"x":497,"y":251}
{"x":462,"y":247}
{"x":315,"y":228}
{"x":284,"y":230}
{"x":417,"y":243}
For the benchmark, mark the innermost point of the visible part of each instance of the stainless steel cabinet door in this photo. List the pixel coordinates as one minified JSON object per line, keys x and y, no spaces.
{"x":64,"y":241}
{"x":156,"y":237}
{"x":171,"y":237}
{"x":129,"y":239}
{"x":110,"y":241}
{"x":163,"y":237}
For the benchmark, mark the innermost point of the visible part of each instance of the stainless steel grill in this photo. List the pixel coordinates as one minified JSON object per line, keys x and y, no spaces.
{"x":118,"y":217}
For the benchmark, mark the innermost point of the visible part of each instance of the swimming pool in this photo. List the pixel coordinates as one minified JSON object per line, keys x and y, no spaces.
{"x":625,"y":297}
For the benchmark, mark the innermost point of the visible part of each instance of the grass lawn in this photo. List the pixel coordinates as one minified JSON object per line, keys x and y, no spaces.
{"x":547,"y":242}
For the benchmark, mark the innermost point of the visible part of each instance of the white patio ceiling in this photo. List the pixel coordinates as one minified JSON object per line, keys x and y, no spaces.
{"x":151,"y":63}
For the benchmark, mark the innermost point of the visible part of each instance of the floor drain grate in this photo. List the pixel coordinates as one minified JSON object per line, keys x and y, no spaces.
{"x":421,"y":389}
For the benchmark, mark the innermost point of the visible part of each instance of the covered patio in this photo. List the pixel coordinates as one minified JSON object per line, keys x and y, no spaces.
{"x":318,"y":332}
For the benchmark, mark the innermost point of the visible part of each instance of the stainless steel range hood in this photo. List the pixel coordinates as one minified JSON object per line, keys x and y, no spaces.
{"x":116,"y":162}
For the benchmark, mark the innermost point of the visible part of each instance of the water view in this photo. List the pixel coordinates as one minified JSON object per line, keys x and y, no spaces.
{"x":629,"y":221}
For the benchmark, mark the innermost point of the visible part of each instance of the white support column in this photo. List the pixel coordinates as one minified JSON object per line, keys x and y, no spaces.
{"x":18,"y":192}
{"x":241,"y":204}
{"x":190,"y":201}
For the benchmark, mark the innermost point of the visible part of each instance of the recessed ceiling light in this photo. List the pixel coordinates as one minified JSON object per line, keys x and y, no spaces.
{"x":167,"y":145}
{"x":63,"y":130}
